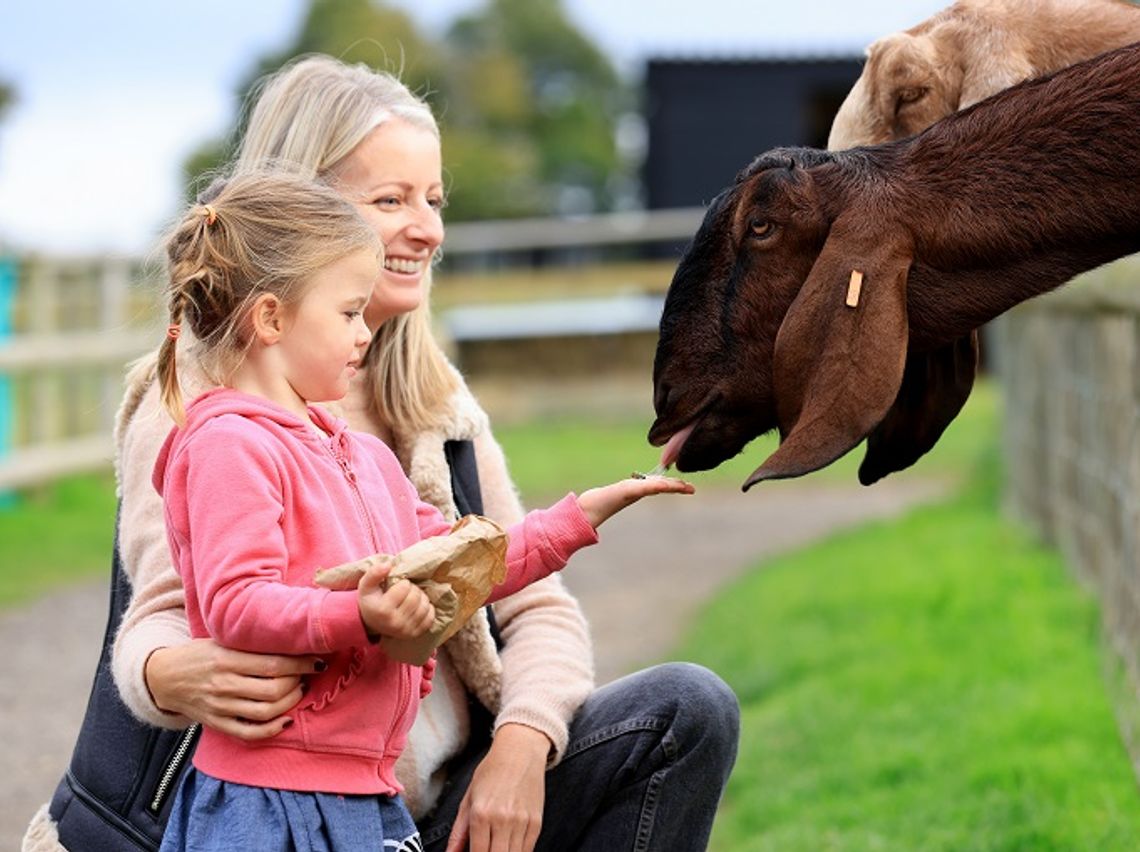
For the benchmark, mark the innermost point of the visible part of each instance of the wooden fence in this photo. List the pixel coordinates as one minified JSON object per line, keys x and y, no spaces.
{"x":76,"y":322}
{"x":1070,"y":369}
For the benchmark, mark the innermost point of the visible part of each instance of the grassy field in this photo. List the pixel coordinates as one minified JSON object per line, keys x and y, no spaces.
{"x":56,"y":535}
{"x":933,"y":683}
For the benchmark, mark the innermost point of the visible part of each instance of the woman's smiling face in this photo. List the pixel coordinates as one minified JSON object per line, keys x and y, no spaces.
{"x":395,"y":178}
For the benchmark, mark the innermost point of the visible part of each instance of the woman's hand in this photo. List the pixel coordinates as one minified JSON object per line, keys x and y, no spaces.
{"x":502,"y":808}
{"x":598,"y":504}
{"x":402,"y":611}
{"x":241,"y":694}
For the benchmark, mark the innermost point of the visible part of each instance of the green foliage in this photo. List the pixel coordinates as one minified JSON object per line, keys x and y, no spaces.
{"x":352,"y":31}
{"x":561,"y":94}
{"x":931,"y":683}
{"x":526,"y":103}
{"x":7,"y":96}
{"x":56,"y":535}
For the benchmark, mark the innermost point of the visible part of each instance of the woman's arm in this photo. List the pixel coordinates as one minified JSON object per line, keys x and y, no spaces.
{"x":155,"y":617}
{"x":547,"y":657}
{"x":548,"y":671}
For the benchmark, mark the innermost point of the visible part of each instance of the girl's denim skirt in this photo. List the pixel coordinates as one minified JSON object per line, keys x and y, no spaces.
{"x":209,"y":814}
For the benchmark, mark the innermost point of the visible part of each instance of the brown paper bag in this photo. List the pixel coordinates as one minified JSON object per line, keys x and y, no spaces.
{"x":457,"y":572}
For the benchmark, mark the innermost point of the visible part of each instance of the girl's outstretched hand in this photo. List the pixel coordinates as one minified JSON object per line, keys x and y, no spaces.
{"x":598,"y":504}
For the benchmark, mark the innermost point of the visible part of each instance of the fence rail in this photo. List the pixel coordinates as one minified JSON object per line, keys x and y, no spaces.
{"x":1070,"y":369}
{"x":76,"y":321}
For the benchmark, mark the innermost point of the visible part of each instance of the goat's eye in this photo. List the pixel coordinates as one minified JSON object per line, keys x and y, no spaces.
{"x":760,"y":227}
{"x":911,"y":94}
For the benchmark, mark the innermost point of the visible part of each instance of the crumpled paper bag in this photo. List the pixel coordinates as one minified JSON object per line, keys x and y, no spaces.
{"x":457,"y":572}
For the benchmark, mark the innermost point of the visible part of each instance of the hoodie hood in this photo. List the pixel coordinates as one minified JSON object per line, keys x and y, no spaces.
{"x":219,"y":402}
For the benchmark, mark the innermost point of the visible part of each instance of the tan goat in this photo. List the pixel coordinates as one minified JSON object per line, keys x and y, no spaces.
{"x":966,"y":53}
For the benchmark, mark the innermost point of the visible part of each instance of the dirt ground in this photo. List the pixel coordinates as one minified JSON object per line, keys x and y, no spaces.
{"x":640,"y":589}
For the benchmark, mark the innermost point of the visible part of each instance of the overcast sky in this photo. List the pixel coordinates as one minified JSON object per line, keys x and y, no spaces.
{"x":111,"y":95}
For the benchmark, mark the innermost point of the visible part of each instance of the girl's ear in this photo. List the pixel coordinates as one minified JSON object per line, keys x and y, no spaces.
{"x":267,"y":319}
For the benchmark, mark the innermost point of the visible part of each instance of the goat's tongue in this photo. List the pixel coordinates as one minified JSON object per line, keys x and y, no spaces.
{"x":672,"y":448}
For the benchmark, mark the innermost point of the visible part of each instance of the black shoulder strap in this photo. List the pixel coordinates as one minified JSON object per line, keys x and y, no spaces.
{"x":468,"y":498}
{"x":464,"y":477}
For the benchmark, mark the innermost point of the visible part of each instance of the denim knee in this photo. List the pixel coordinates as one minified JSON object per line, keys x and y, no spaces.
{"x":705,"y":710}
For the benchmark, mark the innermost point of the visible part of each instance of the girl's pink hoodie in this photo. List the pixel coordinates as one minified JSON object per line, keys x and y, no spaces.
{"x":257,"y":501}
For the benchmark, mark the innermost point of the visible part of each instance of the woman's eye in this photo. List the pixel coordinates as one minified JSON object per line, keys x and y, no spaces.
{"x":760,"y":227}
{"x":437,"y":203}
{"x":387,"y":201}
{"x":352,"y":314}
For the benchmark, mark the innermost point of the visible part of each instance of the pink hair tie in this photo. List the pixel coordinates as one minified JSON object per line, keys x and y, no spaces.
{"x":172,"y":331}
{"x":210,"y":213}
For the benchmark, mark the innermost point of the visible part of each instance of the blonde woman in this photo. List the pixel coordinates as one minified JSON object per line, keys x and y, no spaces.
{"x":514,"y":749}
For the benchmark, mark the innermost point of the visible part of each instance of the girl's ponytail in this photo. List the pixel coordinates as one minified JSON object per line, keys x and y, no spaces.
{"x":189,"y":253}
{"x":170,"y":390}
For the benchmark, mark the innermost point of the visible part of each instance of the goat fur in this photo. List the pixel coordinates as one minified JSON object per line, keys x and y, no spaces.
{"x":967,"y":52}
{"x":988,"y":207}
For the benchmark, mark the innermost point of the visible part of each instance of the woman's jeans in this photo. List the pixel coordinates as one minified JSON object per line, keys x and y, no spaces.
{"x":647,"y":761}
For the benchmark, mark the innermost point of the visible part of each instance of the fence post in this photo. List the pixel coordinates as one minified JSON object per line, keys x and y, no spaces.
{"x":114,"y":293}
{"x":8,"y":270}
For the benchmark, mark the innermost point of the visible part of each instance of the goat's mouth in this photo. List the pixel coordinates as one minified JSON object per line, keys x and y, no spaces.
{"x":705,"y":439}
{"x":699,"y":441}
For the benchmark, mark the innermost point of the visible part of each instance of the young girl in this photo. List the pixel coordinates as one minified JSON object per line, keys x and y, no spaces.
{"x":261,"y":488}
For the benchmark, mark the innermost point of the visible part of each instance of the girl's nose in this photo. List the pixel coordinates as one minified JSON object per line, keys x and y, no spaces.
{"x":363,"y":333}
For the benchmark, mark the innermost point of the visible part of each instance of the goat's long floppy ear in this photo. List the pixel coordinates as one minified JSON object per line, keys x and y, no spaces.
{"x":989,"y":71}
{"x":840,"y":353}
{"x":934,"y":388}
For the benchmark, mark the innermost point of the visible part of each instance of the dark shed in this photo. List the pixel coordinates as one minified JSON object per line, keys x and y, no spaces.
{"x":707,"y":119}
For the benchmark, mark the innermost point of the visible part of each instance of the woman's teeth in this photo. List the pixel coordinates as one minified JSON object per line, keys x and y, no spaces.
{"x":399,"y":264}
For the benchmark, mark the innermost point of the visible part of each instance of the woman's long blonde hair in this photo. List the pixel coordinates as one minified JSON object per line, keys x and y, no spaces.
{"x":310,"y":115}
{"x":260,"y":232}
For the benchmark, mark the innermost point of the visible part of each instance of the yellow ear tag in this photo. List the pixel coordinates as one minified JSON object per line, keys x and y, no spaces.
{"x":854,"y":286}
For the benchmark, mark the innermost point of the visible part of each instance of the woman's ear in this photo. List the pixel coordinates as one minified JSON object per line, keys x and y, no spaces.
{"x":267,"y":319}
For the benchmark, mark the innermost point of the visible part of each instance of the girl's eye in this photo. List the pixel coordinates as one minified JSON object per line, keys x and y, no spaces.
{"x":352,"y":314}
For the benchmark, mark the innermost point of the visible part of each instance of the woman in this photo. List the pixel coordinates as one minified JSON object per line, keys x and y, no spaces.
{"x":638,"y":764}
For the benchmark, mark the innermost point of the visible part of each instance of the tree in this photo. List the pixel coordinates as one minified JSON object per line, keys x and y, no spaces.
{"x":527,"y":105}
{"x":7,"y":97}
{"x":351,"y":30}
{"x":527,"y":86}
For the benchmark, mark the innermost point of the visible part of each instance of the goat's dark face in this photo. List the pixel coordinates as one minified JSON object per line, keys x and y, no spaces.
{"x":729,"y":295}
{"x":764,"y":327}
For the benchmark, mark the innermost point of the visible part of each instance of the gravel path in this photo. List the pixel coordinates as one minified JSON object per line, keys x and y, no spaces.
{"x":640,"y":589}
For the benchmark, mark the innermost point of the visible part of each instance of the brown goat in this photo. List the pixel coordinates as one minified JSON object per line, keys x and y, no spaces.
{"x":967,"y":52}
{"x":950,"y":228}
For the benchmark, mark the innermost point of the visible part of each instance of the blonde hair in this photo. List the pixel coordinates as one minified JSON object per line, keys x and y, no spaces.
{"x":261,"y":232}
{"x":312,"y":114}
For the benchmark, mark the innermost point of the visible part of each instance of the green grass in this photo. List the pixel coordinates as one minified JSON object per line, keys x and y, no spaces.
{"x":933,"y":683}
{"x":55,"y":535}
{"x":549,"y":458}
